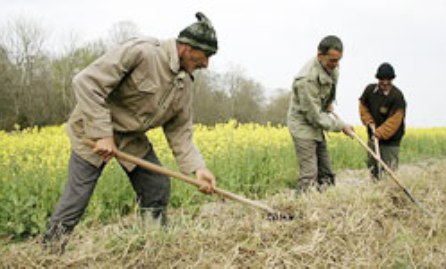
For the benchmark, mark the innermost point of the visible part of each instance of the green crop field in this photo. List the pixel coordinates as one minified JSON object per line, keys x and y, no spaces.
{"x":248,"y":159}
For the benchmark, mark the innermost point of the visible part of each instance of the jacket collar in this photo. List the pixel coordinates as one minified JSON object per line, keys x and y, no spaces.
{"x":324,"y":76}
{"x":386,"y":93}
{"x":170,"y":47}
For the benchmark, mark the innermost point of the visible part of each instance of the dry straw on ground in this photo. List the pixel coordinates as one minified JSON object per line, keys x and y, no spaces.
{"x":357,"y":224}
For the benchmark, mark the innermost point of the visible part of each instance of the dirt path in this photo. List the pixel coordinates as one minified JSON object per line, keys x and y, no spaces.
{"x":424,"y":169}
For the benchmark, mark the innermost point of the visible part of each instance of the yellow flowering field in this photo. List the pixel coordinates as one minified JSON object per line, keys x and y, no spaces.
{"x":249,"y":159}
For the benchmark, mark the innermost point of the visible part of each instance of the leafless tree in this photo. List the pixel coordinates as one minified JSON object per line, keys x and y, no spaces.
{"x":71,"y":60}
{"x":23,"y":40}
{"x":122,"y":31}
{"x":210,"y":101}
{"x":36,"y":86}
{"x":7,"y":74}
{"x":277,"y":108}
{"x":247,"y":96}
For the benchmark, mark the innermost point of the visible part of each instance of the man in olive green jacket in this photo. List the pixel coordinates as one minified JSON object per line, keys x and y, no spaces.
{"x":311,"y":113}
{"x":142,"y":84}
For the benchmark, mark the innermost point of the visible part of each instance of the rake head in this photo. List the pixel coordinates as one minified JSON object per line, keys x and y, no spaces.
{"x":279,"y":216}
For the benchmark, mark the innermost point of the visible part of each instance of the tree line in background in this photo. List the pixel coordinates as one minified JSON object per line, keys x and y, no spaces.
{"x":35,"y":85}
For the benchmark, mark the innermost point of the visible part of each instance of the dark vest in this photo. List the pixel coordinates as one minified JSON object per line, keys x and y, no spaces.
{"x":384,"y":106}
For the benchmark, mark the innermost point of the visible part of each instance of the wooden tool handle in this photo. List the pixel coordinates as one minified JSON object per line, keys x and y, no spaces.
{"x":164,"y":171}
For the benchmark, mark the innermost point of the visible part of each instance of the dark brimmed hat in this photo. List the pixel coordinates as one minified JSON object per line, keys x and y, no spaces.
{"x":200,"y":35}
{"x":385,"y":71}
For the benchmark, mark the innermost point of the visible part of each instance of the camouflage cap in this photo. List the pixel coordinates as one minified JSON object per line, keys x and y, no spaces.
{"x":200,"y":35}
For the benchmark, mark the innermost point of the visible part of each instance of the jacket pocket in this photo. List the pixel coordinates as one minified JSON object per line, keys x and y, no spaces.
{"x":77,"y":126}
{"x":146,"y":86}
{"x":145,"y":105}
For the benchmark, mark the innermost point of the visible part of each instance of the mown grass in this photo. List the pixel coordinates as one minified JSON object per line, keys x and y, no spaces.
{"x":249,"y":159}
{"x":363,"y":225}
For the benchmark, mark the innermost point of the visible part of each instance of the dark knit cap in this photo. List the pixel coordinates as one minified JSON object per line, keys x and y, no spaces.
{"x":200,"y":35}
{"x":385,"y":71}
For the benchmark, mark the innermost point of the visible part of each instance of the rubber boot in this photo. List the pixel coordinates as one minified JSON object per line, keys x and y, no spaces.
{"x":55,"y":238}
{"x":154,"y":216}
{"x":324,"y":183}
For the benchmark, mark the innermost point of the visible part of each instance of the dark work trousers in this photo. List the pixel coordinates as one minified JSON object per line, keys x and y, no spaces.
{"x":389,"y":155}
{"x":314,"y":163}
{"x":152,"y":189}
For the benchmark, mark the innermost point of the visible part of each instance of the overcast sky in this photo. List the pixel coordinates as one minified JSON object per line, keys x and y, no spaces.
{"x":271,"y":40}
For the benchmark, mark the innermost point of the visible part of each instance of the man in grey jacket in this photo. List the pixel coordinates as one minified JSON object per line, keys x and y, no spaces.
{"x":311,"y":113}
{"x":142,"y":84}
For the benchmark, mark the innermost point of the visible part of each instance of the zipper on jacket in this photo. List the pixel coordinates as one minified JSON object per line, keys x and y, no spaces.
{"x":166,"y":95}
